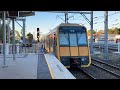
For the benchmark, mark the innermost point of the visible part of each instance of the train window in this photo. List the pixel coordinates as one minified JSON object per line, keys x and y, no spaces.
{"x":64,"y":40}
{"x":51,"y":42}
{"x":73,"y":39}
{"x":82,"y":38}
{"x":48,"y":42}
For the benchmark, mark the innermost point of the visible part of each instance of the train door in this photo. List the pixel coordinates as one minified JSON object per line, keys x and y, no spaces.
{"x":73,"y":44}
{"x":54,"y":44}
{"x":73,"y":50}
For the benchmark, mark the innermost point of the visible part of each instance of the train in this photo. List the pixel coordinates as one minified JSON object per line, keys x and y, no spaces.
{"x":69,"y":43}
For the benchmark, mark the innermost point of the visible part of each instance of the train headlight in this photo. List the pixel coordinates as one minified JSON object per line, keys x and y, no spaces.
{"x":83,"y":58}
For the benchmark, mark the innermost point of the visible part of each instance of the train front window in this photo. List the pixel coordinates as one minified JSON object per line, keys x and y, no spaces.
{"x":64,"y":40}
{"x":82,"y":39}
{"x":73,"y":39}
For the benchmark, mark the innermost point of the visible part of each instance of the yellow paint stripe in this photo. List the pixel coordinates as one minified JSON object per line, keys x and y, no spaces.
{"x":67,"y":66}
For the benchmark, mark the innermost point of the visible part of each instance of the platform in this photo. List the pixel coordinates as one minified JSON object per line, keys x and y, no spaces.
{"x":34,"y":66}
{"x":21,"y":68}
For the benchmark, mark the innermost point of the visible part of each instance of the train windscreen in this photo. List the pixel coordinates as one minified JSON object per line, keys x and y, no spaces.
{"x":64,"y":40}
{"x":73,"y":36}
{"x":82,"y":39}
{"x":73,"y":39}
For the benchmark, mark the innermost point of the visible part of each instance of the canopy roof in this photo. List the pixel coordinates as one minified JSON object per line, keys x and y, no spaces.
{"x":21,"y":13}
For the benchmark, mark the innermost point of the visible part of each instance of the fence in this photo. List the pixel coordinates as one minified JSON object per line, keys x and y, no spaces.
{"x":19,"y":49}
{"x":111,"y":46}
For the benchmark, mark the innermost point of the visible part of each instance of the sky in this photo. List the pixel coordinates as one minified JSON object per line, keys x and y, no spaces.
{"x":46,"y":21}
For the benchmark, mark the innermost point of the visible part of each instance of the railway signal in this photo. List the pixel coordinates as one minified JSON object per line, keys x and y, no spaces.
{"x":38,"y":34}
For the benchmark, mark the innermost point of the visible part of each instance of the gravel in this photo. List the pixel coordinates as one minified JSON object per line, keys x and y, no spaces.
{"x":108,"y":67}
{"x":114,"y":59}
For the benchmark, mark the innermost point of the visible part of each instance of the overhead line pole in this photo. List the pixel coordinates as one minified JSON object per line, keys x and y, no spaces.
{"x":66,"y":17}
{"x":106,"y":33}
{"x":91,"y":24}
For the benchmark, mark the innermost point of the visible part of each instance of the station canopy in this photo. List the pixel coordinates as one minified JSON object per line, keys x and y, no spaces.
{"x":21,"y":13}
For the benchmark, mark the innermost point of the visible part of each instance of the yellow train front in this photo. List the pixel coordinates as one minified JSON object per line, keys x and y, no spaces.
{"x":69,"y":43}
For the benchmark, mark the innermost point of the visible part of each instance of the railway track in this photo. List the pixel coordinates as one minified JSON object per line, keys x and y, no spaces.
{"x":113,"y":70}
{"x":98,"y":70}
{"x":81,"y":74}
{"x":88,"y":75}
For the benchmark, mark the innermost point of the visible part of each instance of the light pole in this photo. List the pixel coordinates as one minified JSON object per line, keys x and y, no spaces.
{"x":4,"y":39}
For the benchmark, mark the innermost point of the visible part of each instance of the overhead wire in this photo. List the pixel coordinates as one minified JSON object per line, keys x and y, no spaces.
{"x":55,"y":20}
{"x":99,"y":17}
{"x":95,"y":18}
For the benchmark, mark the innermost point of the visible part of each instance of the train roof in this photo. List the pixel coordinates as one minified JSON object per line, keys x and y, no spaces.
{"x":63,"y":24}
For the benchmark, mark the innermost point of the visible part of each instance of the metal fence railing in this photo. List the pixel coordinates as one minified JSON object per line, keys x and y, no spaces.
{"x":19,"y":49}
{"x":112,"y":46}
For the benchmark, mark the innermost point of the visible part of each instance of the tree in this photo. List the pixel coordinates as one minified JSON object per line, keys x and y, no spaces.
{"x":17,"y":36}
{"x":89,"y":32}
{"x":119,"y":31}
{"x":30,"y":37}
{"x":2,"y":31}
{"x":114,"y":31}
{"x":1,"y":34}
{"x":100,"y":32}
{"x":110,"y":31}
